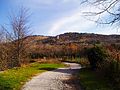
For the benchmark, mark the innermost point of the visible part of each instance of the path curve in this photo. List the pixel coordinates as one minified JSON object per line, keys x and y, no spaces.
{"x":59,"y":79}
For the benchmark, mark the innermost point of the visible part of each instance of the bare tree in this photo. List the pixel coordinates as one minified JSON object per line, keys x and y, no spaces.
{"x":19,"y":30}
{"x":111,"y":8}
{"x":13,"y":44}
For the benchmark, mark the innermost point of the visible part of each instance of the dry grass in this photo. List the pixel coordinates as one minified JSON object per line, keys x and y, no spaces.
{"x":53,"y":61}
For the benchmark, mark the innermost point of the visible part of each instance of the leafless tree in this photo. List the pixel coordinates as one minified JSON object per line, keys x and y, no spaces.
{"x":111,"y":8}
{"x":20,"y":28}
{"x":13,"y":44}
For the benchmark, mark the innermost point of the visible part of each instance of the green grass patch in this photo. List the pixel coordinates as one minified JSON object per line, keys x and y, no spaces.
{"x":90,"y":80}
{"x":13,"y":79}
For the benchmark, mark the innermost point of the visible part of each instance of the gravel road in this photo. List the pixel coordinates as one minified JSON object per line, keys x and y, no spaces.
{"x":59,"y":79}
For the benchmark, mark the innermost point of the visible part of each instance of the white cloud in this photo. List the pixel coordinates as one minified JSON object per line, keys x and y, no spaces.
{"x":61,"y":22}
{"x":77,"y":23}
{"x":72,"y":23}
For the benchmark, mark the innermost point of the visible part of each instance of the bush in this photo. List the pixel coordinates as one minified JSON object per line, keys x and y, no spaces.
{"x":105,"y":65}
{"x":112,"y":73}
{"x":95,"y":56}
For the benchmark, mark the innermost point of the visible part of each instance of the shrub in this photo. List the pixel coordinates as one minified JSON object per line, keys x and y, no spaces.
{"x":111,"y":72}
{"x":95,"y":56}
{"x":105,"y":65}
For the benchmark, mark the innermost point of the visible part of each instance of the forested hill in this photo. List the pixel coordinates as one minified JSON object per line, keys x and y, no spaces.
{"x":80,"y":38}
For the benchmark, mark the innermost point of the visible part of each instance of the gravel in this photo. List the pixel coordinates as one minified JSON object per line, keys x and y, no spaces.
{"x":59,"y":79}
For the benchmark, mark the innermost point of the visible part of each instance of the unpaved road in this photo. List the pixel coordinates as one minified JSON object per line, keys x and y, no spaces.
{"x":59,"y":79}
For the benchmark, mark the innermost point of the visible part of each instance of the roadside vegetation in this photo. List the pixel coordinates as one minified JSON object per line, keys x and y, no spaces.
{"x":103,"y":73}
{"x":13,"y":79}
{"x":91,"y":81}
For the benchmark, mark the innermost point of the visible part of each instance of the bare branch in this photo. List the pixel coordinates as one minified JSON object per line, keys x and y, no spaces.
{"x":110,"y":7}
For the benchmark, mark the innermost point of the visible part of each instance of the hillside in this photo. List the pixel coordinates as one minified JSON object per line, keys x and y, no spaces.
{"x":80,"y":38}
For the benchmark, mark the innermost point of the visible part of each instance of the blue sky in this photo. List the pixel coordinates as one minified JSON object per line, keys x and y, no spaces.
{"x":53,"y":17}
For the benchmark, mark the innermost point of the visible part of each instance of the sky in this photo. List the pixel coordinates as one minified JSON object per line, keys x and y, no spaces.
{"x":53,"y":17}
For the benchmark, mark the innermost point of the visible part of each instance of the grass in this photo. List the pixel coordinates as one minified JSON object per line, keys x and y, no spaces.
{"x":90,"y":81}
{"x":13,"y":79}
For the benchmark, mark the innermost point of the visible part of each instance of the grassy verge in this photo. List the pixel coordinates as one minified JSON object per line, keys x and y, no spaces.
{"x":90,"y":81}
{"x":13,"y":79}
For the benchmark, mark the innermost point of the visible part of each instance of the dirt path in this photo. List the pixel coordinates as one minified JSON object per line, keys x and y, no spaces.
{"x":59,"y":79}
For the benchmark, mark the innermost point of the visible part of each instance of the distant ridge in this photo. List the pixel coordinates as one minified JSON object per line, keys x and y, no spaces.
{"x":74,"y":37}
